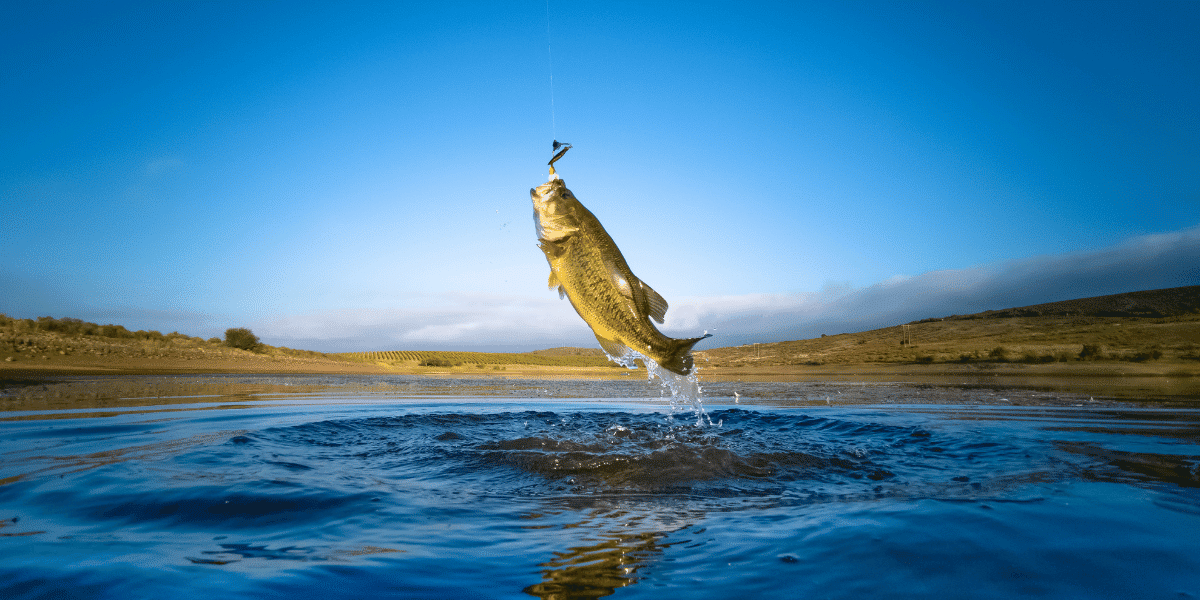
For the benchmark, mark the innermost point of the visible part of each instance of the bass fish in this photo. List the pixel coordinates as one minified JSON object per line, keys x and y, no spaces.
{"x":587,"y":267}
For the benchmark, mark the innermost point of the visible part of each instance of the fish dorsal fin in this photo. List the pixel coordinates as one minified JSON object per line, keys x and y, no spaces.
{"x":656,"y":305}
{"x":646,"y":299}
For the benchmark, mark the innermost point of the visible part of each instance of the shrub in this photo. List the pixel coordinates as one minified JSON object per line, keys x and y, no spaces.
{"x":1091,"y":352}
{"x":999,"y":353}
{"x":435,"y":362}
{"x":113,"y":331}
{"x":1146,"y":355}
{"x":152,"y":335}
{"x":66,"y":325}
{"x":240,"y":337}
{"x":1031,"y":357}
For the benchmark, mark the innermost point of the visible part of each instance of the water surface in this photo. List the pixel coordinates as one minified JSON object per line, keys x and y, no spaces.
{"x":349,"y":487}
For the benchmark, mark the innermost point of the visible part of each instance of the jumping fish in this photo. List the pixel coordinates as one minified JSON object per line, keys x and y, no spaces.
{"x":587,"y":267}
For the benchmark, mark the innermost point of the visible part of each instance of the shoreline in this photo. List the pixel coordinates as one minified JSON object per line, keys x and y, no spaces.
{"x":1176,"y":381}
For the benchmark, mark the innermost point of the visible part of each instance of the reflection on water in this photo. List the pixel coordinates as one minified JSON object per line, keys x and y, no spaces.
{"x":394,"y":488}
{"x":596,"y":570}
{"x":612,"y":541}
{"x":1138,"y":466}
{"x":82,"y":462}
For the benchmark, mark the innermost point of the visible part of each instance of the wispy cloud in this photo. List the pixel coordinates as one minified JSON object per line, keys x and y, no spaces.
{"x":1142,"y":263}
{"x":464,"y":321}
{"x":447,"y":322}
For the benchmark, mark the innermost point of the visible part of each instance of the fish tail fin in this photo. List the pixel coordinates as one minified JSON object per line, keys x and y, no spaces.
{"x":679,"y":359}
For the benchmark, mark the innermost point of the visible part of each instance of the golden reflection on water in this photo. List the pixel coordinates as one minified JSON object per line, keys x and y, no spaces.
{"x":596,"y":570}
{"x":613,"y":544}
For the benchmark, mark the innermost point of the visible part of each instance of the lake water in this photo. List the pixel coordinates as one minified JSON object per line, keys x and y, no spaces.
{"x":393,"y":487}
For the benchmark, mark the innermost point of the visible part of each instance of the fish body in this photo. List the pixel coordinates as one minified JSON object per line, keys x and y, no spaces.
{"x":587,"y":267}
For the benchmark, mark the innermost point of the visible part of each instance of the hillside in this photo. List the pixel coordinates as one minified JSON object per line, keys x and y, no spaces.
{"x":1156,"y":325}
{"x":1170,"y":302}
{"x":71,"y":346}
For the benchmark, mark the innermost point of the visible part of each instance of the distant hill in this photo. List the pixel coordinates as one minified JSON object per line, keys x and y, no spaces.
{"x":1170,"y":302}
{"x":72,"y":346}
{"x":1137,"y":326}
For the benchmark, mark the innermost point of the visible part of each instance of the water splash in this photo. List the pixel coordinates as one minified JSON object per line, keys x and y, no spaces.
{"x":684,"y":389}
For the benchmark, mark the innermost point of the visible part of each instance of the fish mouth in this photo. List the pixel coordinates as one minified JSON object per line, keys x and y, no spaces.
{"x":546,"y":189}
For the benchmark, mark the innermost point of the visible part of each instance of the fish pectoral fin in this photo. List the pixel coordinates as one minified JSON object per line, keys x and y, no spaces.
{"x":612,"y":348}
{"x":656,"y":305}
{"x":553,"y":282}
{"x":552,"y":250}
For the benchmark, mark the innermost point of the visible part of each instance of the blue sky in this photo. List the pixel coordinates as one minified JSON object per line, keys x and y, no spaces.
{"x":355,"y":176}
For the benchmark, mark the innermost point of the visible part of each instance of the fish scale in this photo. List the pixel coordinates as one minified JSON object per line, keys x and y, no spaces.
{"x":609,"y":306}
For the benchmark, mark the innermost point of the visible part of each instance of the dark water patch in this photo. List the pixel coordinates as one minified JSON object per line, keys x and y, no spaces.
{"x":86,"y":432}
{"x":541,"y":453}
{"x":208,"y":508}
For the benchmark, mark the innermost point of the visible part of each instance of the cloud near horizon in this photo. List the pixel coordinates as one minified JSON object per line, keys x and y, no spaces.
{"x":489,"y":323}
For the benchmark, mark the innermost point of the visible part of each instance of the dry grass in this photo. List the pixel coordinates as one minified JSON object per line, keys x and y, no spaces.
{"x":1153,"y":333}
{"x":962,"y":340}
{"x":28,"y":349}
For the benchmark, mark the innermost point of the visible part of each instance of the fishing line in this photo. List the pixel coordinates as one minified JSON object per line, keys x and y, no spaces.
{"x":550,"y":56}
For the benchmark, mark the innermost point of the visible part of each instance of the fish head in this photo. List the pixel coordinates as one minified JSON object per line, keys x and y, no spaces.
{"x":555,"y":210}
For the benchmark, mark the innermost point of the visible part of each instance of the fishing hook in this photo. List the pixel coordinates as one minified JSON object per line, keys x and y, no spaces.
{"x":557,"y":144}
